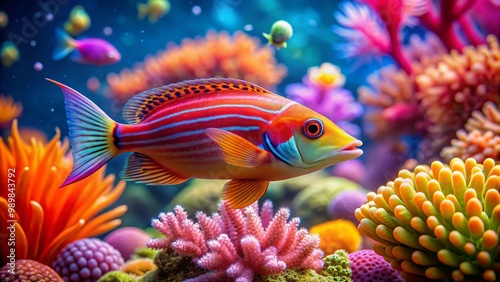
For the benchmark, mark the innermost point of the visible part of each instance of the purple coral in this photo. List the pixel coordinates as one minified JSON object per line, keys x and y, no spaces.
{"x":367,"y":266}
{"x":345,"y":204}
{"x":127,"y":239}
{"x":322,"y":90}
{"x":239,"y":243}
{"x":87,"y":260}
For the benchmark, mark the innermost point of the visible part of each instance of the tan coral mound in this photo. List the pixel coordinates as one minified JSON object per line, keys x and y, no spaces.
{"x":216,"y":55}
{"x":47,"y":218}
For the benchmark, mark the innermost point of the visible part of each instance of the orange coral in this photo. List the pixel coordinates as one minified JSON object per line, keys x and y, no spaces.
{"x":336,"y":235}
{"x":216,"y":55}
{"x":48,"y":218}
{"x":9,"y":110}
{"x":475,"y":144}
{"x":458,"y":84}
{"x":488,"y":119}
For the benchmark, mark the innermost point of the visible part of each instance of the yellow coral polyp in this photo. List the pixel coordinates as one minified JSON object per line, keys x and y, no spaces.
{"x":336,"y":235}
{"x":326,"y":76}
{"x":438,"y":222}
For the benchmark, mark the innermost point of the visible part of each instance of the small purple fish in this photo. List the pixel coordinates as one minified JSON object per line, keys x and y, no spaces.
{"x":92,"y":51}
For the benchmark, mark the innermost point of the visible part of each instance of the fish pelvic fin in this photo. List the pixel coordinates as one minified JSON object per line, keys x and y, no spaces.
{"x":91,"y":133}
{"x":237,"y":150}
{"x":142,"y":169}
{"x":240,"y":193}
{"x":65,"y":45}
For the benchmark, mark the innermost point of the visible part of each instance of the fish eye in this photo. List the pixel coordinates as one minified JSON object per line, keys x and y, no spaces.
{"x":313,"y":128}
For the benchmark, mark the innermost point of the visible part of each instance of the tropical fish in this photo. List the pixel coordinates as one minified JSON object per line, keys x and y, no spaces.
{"x":78,"y":21}
{"x":206,"y":128}
{"x":154,"y":9}
{"x":92,"y":51}
{"x":280,"y":32}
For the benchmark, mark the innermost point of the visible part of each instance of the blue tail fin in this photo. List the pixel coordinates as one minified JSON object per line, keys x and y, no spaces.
{"x":90,"y":132}
{"x":65,"y":44}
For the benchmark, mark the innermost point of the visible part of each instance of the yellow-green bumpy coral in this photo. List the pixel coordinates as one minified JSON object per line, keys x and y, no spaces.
{"x":438,"y":222}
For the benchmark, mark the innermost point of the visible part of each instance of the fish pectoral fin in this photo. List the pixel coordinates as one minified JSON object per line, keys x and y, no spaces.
{"x":141,"y":168}
{"x":240,"y":193}
{"x":237,"y":150}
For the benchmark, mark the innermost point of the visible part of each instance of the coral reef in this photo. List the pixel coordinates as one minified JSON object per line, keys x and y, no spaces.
{"x":367,"y":266}
{"x":336,"y":235}
{"x":47,"y":217}
{"x":312,"y":202}
{"x":486,"y":120}
{"x":117,"y":276}
{"x":87,"y":259}
{"x":438,"y":222}
{"x":215,"y":55}
{"x":322,"y":90}
{"x":353,"y":170}
{"x":172,"y":267}
{"x":345,"y":203}
{"x":239,"y":243}
{"x":127,"y":239}
{"x":9,"y":109}
{"x":454,"y":87}
{"x":200,"y":195}
{"x":27,"y":270}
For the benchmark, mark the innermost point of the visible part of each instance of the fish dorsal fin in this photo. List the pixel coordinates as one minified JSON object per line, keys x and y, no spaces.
{"x":144,"y":103}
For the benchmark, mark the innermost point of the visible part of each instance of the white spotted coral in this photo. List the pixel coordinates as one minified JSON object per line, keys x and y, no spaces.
{"x":438,"y":222}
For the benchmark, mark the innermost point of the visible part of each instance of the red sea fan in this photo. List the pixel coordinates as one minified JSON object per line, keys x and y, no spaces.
{"x":239,"y":243}
{"x":217,"y":55}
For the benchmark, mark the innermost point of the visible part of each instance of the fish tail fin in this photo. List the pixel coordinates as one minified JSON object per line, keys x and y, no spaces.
{"x":91,"y":133}
{"x":143,"y":10}
{"x":65,"y":44}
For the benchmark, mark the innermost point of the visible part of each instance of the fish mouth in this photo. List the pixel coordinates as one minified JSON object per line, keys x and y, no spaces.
{"x":350,"y":151}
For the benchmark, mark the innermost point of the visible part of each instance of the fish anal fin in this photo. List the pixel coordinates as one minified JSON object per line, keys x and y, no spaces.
{"x":240,"y":193}
{"x":142,"y":169}
{"x":237,"y":150}
{"x":143,"y":104}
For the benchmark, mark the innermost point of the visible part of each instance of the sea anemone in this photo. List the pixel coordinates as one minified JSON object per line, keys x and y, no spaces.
{"x":367,"y":266}
{"x":460,"y":83}
{"x":127,"y":239}
{"x":486,"y":120}
{"x":47,"y":218}
{"x":336,"y":235}
{"x":216,"y":55}
{"x":392,"y":108}
{"x":9,"y":110}
{"x":87,"y":260}
{"x":438,"y":222}
{"x":239,"y":243}
{"x":27,"y":270}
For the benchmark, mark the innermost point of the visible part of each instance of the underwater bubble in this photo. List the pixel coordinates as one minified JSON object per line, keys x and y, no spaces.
{"x":49,"y":17}
{"x":33,"y":43}
{"x":248,"y":27}
{"x":107,"y":30}
{"x":38,"y":66}
{"x":52,"y":110}
{"x":93,"y":84}
{"x":196,"y":10}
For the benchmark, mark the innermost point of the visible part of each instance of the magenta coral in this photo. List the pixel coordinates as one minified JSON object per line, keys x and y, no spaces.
{"x":239,"y":243}
{"x":367,"y":266}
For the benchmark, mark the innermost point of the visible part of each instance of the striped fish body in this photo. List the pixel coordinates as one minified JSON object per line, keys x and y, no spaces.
{"x":174,"y":136}
{"x":208,"y":128}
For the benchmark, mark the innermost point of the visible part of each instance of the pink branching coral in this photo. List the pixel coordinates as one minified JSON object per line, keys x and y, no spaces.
{"x":322,"y":90}
{"x":216,"y":55}
{"x":239,"y":243}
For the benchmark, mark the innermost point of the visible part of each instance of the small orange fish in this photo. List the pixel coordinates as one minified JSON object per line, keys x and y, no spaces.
{"x":207,"y":128}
